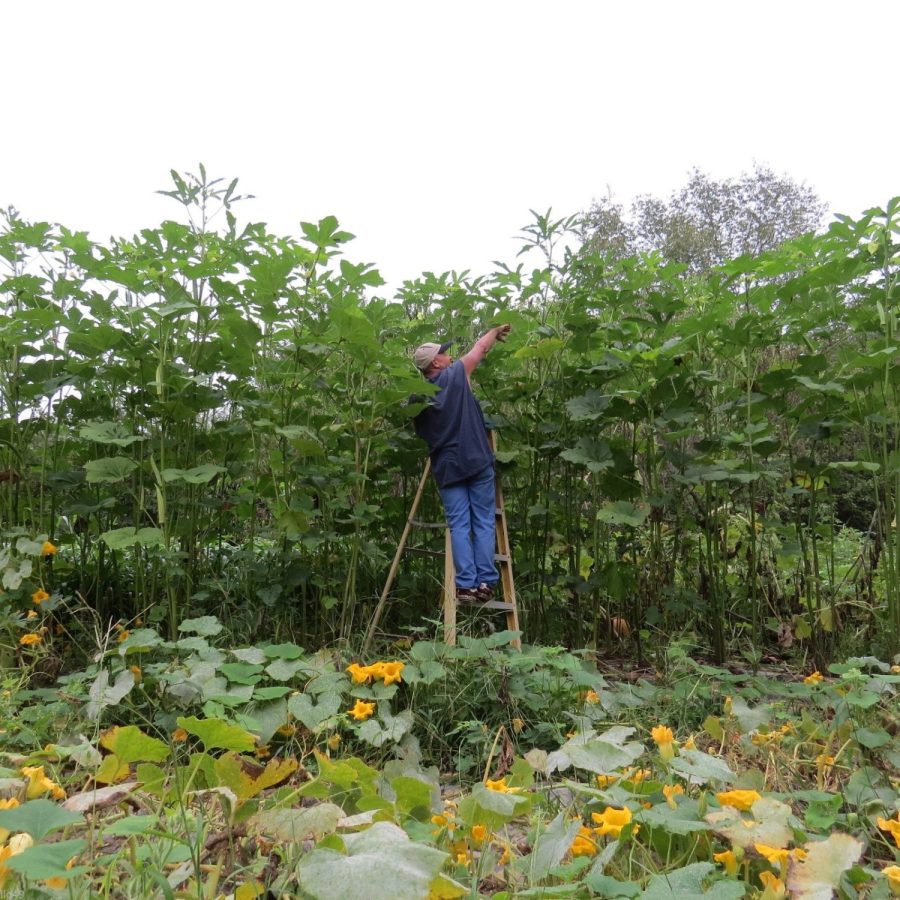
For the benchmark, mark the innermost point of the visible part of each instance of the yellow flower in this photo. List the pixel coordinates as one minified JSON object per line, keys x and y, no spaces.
{"x":775,"y":856}
{"x":376,"y":670}
{"x":798,"y":853}
{"x":500,"y":786}
{"x":728,"y":860}
{"x":360,"y":674}
{"x":670,"y":791}
{"x":479,"y":835}
{"x":892,"y":873}
{"x":743,"y":800}
{"x":592,"y":697}
{"x":31,"y":614}
{"x":39,"y":783}
{"x":263,"y":752}
{"x":287,"y":730}
{"x":774,"y":886}
{"x":29,"y":640}
{"x":391,"y":672}
{"x":895,"y":670}
{"x":606,"y":780}
{"x":463,"y":857}
{"x":334,"y":741}
{"x":18,"y":843}
{"x":48,"y":549}
{"x":689,"y":744}
{"x":362,"y":710}
{"x":138,"y":674}
{"x":123,"y":635}
{"x":440,"y":821}
{"x":12,"y":803}
{"x":636,"y":776}
{"x":518,"y":725}
{"x":39,"y":596}
{"x":892,"y":826}
{"x":507,"y":856}
{"x":665,"y":740}
{"x":584,"y":843}
{"x":727,"y":706}
{"x":815,"y":678}
{"x":179,"y":735}
{"x":612,"y":820}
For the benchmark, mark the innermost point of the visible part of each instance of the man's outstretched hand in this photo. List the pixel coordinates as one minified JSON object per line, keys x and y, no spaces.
{"x":502,"y":332}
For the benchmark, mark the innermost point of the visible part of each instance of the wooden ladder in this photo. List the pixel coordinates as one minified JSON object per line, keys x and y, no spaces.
{"x":502,"y":556}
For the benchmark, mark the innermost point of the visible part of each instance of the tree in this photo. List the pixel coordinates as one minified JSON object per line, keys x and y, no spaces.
{"x":707,"y":222}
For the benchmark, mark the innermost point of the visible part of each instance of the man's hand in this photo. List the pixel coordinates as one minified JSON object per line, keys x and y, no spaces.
{"x":501,"y":331}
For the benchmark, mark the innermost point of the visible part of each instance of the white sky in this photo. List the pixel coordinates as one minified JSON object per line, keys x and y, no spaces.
{"x":431,"y":128}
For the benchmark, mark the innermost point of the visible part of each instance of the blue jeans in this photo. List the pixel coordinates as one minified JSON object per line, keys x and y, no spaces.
{"x":470,"y":507}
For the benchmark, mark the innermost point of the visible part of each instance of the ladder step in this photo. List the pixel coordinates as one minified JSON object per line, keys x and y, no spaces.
{"x":487,"y":604}
{"x":416,"y":523}
{"x":501,"y":557}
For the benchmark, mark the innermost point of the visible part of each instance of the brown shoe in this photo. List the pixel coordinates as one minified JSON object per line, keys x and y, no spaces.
{"x":466,"y":595}
{"x":485,"y":592}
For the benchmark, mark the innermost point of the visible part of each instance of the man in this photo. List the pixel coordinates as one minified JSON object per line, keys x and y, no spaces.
{"x":462,"y":461}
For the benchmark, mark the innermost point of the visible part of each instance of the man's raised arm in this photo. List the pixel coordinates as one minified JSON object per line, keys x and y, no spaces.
{"x":478,"y":352}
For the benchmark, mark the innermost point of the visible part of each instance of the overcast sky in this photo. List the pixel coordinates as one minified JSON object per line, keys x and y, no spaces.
{"x":430,"y":128}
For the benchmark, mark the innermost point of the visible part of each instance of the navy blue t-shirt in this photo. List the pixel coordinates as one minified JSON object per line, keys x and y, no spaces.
{"x":453,"y":427}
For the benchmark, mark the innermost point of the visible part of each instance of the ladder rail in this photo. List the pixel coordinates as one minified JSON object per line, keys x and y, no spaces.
{"x":395,"y":565}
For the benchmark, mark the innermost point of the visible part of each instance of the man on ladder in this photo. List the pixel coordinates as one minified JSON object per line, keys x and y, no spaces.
{"x":462,"y":461}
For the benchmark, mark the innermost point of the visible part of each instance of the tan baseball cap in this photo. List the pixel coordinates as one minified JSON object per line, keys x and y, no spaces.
{"x":425,"y":353}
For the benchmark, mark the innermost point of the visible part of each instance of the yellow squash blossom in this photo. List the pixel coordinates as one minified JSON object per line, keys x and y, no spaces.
{"x":815,"y":678}
{"x":612,"y":820}
{"x":29,"y":640}
{"x":728,"y":860}
{"x":48,"y":549}
{"x":39,"y":783}
{"x":360,"y":674}
{"x":892,"y":826}
{"x":636,"y":776}
{"x":743,"y":800}
{"x":775,"y":856}
{"x":774,"y":886}
{"x":31,"y":614}
{"x":592,"y":697}
{"x":689,"y":744}
{"x":670,"y":791}
{"x":665,"y":740}
{"x":362,"y":710}
{"x":18,"y":843}
{"x":584,"y":843}
{"x":479,"y":835}
{"x":392,"y":672}
{"x":179,"y":735}
{"x":376,"y":670}
{"x":39,"y":597}
{"x":606,"y":780}
{"x":334,"y":741}
{"x":500,"y":786}
{"x":892,"y":873}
